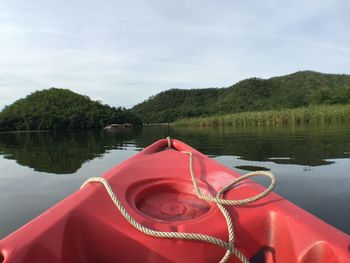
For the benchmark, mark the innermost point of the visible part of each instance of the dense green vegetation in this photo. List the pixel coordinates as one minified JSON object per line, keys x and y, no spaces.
{"x":54,"y":109}
{"x":300,"y":89}
{"x":312,"y":114}
{"x":173,"y":104}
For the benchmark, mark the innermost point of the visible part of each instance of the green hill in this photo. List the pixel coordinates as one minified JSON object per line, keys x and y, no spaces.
{"x":54,"y":109}
{"x":295,"y":90}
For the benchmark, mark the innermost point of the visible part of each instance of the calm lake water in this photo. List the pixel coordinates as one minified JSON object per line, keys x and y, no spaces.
{"x":312,"y":164}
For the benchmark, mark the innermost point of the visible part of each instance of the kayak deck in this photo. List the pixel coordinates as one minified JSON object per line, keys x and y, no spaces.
{"x":155,"y":188}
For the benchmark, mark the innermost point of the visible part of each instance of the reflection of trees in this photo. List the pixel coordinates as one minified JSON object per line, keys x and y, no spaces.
{"x":65,"y":152}
{"x":308,"y":145}
{"x":252,"y":168}
{"x":57,"y":152}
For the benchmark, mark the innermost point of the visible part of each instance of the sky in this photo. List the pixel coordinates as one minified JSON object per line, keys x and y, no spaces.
{"x":122,"y":52}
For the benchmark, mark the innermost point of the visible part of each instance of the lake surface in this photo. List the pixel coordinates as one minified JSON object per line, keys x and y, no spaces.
{"x":311,"y":164}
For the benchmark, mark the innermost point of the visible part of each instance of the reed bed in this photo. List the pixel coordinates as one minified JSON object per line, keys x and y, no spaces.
{"x":312,"y":114}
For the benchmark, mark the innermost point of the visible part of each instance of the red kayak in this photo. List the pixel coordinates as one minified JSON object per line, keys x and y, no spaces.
{"x":164,"y":205}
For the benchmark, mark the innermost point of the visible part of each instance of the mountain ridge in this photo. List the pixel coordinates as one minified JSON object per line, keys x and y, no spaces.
{"x":298,"y":89}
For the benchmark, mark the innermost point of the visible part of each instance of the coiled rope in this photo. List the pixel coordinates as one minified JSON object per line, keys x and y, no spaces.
{"x":229,"y":246}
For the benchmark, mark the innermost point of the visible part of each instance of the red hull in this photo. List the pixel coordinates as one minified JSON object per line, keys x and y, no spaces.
{"x":156,"y":189}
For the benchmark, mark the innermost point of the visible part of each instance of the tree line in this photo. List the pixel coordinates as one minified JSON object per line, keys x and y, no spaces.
{"x":55,"y":109}
{"x":299,"y":89}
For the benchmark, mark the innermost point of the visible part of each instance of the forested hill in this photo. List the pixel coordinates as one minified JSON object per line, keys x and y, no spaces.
{"x":61,"y":109}
{"x":295,"y":90}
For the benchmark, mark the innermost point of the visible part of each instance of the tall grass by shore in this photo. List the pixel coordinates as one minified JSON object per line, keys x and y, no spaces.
{"x":311,"y":114}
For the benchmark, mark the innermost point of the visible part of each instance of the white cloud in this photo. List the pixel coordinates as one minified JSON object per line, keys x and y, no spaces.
{"x":121,"y":52}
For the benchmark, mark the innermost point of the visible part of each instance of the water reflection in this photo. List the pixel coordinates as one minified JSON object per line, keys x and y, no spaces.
{"x":252,"y":168}
{"x":308,"y":145}
{"x":58,"y":152}
{"x":289,"y":152}
{"x":66,"y":152}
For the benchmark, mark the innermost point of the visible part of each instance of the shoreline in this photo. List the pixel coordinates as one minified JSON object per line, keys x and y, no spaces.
{"x":304,"y":115}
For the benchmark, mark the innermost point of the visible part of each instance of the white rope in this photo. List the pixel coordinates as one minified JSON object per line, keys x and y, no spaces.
{"x":169,"y":141}
{"x":229,"y":246}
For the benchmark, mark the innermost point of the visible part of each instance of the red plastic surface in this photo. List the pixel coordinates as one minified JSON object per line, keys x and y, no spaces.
{"x":156,"y":189}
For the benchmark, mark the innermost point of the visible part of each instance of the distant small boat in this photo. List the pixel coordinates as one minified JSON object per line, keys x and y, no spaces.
{"x":118,"y":126}
{"x":156,"y":189}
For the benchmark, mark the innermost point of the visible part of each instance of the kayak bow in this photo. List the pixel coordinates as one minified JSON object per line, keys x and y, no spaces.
{"x":161,"y":193}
